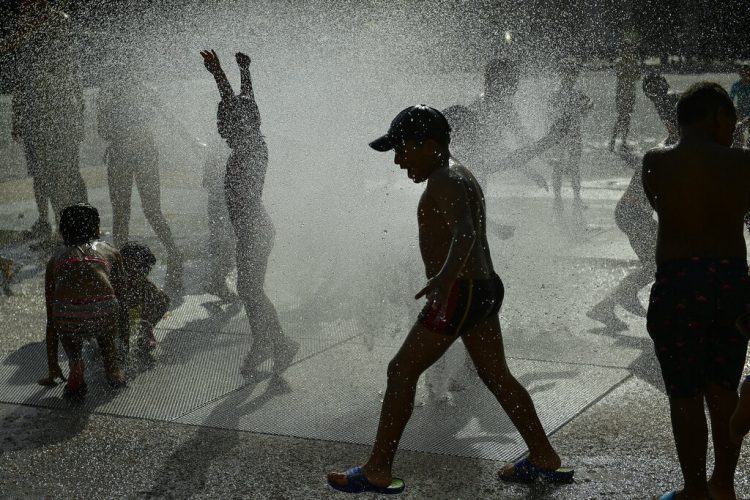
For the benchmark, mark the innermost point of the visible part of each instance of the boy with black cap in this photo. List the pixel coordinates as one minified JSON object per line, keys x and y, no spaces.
{"x":699,"y":189}
{"x":464,"y":297}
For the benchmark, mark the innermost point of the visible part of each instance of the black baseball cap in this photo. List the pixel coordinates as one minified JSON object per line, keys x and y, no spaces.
{"x":415,"y":122}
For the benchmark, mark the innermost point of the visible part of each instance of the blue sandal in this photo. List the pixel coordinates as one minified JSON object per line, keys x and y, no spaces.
{"x":356,"y":482}
{"x":669,"y":496}
{"x":526,"y":472}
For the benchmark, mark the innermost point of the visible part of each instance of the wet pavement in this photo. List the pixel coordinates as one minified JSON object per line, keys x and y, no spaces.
{"x":618,"y":438}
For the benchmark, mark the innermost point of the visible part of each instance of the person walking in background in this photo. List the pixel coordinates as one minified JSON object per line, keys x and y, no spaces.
{"x":628,"y":72}
{"x":634,"y":215}
{"x":569,"y":109}
{"x":47,"y":116}
{"x":126,"y":108}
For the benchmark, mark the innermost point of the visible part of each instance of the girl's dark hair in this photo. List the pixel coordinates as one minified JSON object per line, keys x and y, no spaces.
{"x":79,"y":224}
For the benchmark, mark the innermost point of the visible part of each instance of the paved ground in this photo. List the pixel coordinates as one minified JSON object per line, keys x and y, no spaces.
{"x":620,"y":445}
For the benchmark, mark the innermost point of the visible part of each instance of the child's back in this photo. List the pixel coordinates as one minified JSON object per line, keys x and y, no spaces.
{"x":82,"y":272}
{"x":700,"y":190}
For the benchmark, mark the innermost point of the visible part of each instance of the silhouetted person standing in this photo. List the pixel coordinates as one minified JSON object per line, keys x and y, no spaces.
{"x":699,"y":189}
{"x":126,"y":108}
{"x":238,"y":120}
{"x":48,"y":109}
{"x":628,"y":72}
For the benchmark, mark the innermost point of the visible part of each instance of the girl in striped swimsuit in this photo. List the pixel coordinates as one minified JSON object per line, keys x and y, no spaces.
{"x":82,"y":283}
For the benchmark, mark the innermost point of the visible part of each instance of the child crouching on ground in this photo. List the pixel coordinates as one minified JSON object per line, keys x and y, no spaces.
{"x":145,"y":302}
{"x":82,"y":284}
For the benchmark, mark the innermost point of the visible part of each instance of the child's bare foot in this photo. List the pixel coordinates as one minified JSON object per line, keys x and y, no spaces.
{"x":51,"y":379}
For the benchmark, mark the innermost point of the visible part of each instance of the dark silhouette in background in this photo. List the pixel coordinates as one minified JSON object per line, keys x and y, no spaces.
{"x":126,"y":108}
{"x":569,"y":108}
{"x":627,"y":71}
{"x":48,"y":109}
{"x":634,"y":215}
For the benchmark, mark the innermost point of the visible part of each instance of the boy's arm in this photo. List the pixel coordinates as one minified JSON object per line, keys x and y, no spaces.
{"x":212,"y":64}
{"x":452,"y":201}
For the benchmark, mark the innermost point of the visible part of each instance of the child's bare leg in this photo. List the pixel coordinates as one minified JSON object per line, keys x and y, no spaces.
{"x":419,"y":351}
{"x":691,"y":440}
{"x":73,"y":346}
{"x":109,"y":355}
{"x":485,"y":346}
{"x":740,"y":422}
{"x":53,"y":367}
{"x":721,"y":404}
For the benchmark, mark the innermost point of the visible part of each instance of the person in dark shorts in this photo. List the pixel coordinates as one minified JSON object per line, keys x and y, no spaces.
{"x":464,"y":296}
{"x":699,"y":189}
{"x":145,"y":303}
{"x":83,"y":282}
{"x":634,"y":215}
{"x":238,"y":122}
{"x":126,"y":108}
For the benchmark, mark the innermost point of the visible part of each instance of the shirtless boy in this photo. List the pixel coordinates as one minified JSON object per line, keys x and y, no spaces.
{"x":700,"y":191}
{"x":82,"y":284}
{"x":464,"y":296}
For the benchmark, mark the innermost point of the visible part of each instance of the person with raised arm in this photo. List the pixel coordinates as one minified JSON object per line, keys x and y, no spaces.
{"x":238,"y":121}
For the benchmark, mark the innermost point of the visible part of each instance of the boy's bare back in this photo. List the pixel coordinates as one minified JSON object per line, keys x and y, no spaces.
{"x":453,"y":196}
{"x":700,"y":191}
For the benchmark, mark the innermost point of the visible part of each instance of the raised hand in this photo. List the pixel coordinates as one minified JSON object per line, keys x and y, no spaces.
{"x":211,"y":61}
{"x":243,"y":60}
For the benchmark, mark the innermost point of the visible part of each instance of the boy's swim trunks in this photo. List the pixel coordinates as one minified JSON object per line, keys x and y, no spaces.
{"x":470,"y":302}
{"x":691,"y":318}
